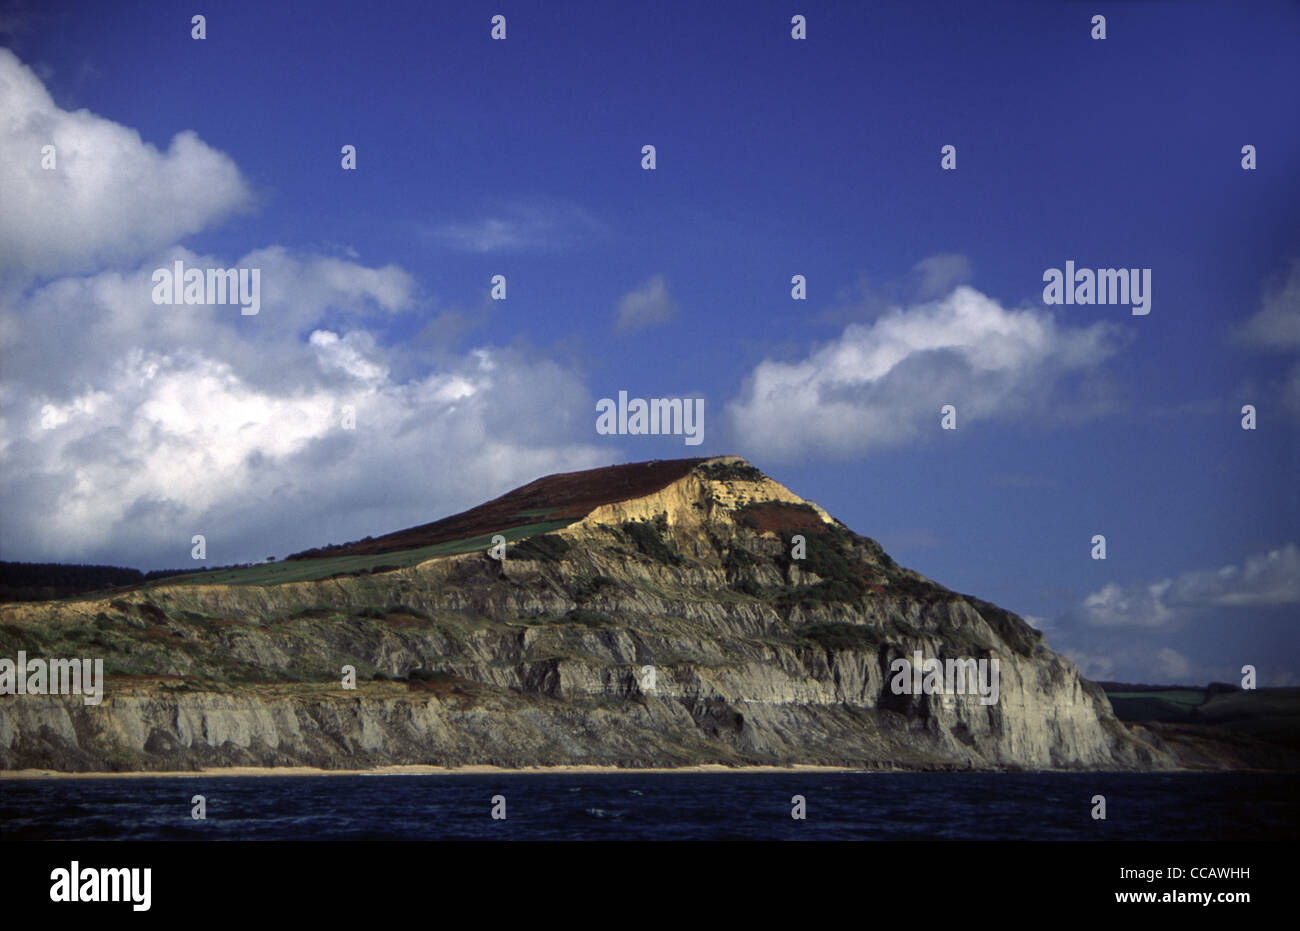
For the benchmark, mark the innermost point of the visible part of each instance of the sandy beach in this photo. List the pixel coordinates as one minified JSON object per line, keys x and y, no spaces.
{"x":416,"y":770}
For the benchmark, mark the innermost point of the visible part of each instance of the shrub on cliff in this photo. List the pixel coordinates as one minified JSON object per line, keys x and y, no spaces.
{"x":548,"y":547}
{"x":649,"y":542}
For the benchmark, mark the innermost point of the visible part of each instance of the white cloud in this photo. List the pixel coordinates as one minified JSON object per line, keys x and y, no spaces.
{"x":1091,"y":665}
{"x":126,"y":427}
{"x":491,"y":234}
{"x":74,"y":330}
{"x":865,"y":299}
{"x":882,"y":384}
{"x":1145,"y":664}
{"x":1119,"y":659}
{"x":1134,"y":606}
{"x":520,"y":226}
{"x":1271,"y":578}
{"x":354,"y":355}
{"x":1263,"y":580}
{"x":1038,"y":623}
{"x":1172,"y":666}
{"x":1276,"y":325}
{"x":111,"y":198}
{"x":939,"y":274}
{"x":130,"y":459}
{"x":1165,"y":631}
{"x":648,"y":305}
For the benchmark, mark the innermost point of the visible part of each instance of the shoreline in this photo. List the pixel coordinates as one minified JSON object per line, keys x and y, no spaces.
{"x":418,"y":769}
{"x":578,"y":769}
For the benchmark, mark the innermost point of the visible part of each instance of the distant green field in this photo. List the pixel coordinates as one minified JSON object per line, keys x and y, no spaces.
{"x":1162,"y":705}
{"x":309,"y":570}
{"x":1181,"y":696}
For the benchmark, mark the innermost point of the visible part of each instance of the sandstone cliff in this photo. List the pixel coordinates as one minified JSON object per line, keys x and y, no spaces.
{"x":758,"y":657}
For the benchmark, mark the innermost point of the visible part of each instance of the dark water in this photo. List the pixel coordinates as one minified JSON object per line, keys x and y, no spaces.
{"x":655,"y":806}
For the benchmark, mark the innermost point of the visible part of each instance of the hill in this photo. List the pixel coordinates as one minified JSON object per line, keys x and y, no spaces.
{"x":655,"y":614}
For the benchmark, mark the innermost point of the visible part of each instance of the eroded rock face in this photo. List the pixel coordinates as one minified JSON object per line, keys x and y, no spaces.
{"x":757,"y":657}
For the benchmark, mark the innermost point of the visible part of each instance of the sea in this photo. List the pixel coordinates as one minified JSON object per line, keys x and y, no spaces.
{"x":839,"y":806}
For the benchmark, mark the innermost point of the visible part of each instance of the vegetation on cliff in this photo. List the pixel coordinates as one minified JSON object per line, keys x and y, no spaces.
{"x":659,"y":614}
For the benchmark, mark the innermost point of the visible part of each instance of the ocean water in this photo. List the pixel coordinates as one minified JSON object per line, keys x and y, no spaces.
{"x":660,"y":806}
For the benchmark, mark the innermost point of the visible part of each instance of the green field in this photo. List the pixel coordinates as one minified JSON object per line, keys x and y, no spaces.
{"x":1162,"y":705}
{"x":1181,"y":696}
{"x":309,"y":570}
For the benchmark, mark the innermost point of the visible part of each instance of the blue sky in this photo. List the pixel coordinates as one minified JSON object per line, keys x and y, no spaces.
{"x":775,"y":157}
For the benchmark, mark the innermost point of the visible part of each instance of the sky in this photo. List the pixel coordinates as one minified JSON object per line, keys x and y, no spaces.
{"x":128,"y":426}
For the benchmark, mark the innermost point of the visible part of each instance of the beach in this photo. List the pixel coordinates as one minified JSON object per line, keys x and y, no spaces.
{"x":416,"y":770}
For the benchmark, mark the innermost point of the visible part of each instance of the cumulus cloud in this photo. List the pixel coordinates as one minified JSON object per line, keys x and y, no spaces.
{"x":648,"y":305}
{"x":1263,"y":580}
{"x":111,"y":197}
{"x":165,"y":445}
{"x":126,"y":427}
{"x":882,"y":384}
{"x":1171,"y":630}
{"x":74,"y":330}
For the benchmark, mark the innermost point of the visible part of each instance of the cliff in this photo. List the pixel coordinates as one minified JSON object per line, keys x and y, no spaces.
{"x":765,"y":649}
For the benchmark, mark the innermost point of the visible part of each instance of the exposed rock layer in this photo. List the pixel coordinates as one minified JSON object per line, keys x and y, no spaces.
{"x":541,"y":660}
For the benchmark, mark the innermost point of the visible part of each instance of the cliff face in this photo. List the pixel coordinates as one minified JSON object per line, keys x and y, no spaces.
{"x":764,"y":650}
